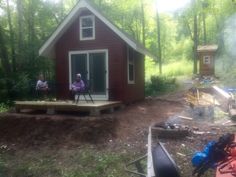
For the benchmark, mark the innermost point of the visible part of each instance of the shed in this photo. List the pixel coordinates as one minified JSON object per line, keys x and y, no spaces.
{"x":87,"y":42}
{"x":206,"y":55}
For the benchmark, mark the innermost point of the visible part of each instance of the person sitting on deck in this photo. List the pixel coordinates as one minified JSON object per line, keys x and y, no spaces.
{"x":42,"y":85}
{"x":78,"y":85}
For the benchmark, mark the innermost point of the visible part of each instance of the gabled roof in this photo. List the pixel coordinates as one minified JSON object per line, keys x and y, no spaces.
{"x":204,"y":48}
{"x":47,"y":49}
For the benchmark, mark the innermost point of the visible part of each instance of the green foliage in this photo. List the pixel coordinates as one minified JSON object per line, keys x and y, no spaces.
{"x":171,"y":69}
{"x":160,"y":84}
{"x":20,"y":85}
{"x":34,"y":22}
{"x":178,"y":68}
{"x":157,"y":84}
{"x":14,"y":87}
{"x":3,"y":90}
{"x":226,"y":72}
{"x":182,"y":51}
{"x":3,"y":108}
{"x":83,"y":162}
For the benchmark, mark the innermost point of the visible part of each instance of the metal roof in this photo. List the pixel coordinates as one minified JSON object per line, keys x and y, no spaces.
{"x":203,"y":48}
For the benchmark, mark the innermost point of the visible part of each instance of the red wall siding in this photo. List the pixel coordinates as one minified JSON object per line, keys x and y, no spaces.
{"x":135,"y":91}
{"x":105,"y":38}
{"x":207,"y":69}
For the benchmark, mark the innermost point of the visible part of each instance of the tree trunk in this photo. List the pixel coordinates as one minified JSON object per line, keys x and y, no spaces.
{"x":13,"y":55}
{"x":159,"y":43}
{"x":204,"y":28}
{"x":31,"y":36}
{"x":3,"y":54}
{"x":143,"y":23}
{"x":20,"y":31}
{"x":195,"y":39}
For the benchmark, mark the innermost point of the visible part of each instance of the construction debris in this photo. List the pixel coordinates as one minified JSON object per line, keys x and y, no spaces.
{"x":196,"y":97}
{"x":185,"y":118}
{"x":169,"y":130}
{"x":230,"y":101}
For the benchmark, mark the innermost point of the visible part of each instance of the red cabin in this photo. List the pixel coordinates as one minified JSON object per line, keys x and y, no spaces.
{"x":86,"y":42}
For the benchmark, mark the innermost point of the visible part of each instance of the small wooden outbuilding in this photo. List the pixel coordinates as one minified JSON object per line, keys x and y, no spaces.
{"x":87,"y":42}
{"x":206,"y":56}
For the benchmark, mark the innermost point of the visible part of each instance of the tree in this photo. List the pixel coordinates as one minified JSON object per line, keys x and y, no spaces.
{"x":143,"y":22}
{"x":12,"y":40}
{"x":159,"y":42}
{"x":204,"y":8}
{"x":3,"y":53}
{"x":195,"y":37}
{"x":20,"y":47}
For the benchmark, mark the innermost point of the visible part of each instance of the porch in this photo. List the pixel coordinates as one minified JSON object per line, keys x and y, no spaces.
{"x":51,"y":107}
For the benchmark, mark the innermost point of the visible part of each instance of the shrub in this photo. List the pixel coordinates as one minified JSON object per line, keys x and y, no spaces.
{"x":14,"y":87}
{"x":20,"y":86}
{"x":160,"y":84}
{"x":3,"y":107}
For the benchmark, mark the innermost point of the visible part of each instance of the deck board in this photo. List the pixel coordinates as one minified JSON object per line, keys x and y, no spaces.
{"x":93,"y":108}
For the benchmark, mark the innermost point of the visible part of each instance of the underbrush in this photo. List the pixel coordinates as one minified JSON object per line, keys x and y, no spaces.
{"x":225,"y":71}
{"x":171,"y":69}
{"x":178,"y":68}
{"x":160,"y":84}
{"x":3,"y":107}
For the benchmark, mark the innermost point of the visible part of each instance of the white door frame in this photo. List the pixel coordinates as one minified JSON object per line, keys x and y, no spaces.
{"x":95,"y":97}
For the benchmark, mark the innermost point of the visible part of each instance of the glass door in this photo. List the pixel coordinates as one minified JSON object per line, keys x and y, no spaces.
{"x":97,"y":73}
{"x":93,"y":67}
{"x":79,"y":65}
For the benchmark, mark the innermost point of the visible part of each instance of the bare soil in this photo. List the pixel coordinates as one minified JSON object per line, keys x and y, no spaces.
{"x":126,"y":125}
{"x":124,"y":130}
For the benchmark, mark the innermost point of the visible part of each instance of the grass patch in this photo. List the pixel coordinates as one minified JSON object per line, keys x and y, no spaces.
{"x":178,"y":68}
{"x":82,"y":162}
{"x":172,"y":69}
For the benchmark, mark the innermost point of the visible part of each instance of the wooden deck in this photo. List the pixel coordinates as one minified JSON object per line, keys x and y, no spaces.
{"x":51,"y":107}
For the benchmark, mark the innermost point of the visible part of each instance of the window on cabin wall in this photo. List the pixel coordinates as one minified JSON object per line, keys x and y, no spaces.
{"x":130,"y":67}
{"x":87,"y":27}
{"x":206,"y":60}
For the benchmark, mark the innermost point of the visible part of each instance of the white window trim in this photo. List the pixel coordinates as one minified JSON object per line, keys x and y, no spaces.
{"x":81,"y":28}
{"x":128,"y":63}
{"x":204,"y":60}
{"x":95,"y":97}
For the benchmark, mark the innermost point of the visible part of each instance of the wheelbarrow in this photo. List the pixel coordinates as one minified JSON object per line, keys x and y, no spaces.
{"x":159,"y":161}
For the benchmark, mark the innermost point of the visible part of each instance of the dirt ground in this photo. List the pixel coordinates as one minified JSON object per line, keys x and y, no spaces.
{"x":124,"y":130}
{"x":128,"y":125}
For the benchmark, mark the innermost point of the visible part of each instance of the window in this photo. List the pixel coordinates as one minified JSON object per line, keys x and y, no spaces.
{"x":130,"y":66}
{"x":206,"y":60}
{"x":87,"y":28}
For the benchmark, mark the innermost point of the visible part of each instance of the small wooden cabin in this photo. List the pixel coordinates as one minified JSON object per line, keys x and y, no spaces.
{"x":87,"y":42}
{"x":206,"y":55}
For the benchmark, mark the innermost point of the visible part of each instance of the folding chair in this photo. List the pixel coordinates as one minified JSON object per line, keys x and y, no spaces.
{"x":86,"y":91}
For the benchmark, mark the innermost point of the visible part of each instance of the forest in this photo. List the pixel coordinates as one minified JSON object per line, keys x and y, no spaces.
{"x":172,"y":37}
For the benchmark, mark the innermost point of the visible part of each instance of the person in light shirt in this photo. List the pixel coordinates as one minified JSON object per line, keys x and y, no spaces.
{"x":78,"y":85}
{"x":42,"y":85}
